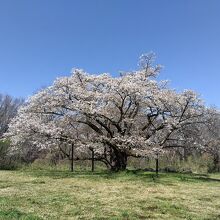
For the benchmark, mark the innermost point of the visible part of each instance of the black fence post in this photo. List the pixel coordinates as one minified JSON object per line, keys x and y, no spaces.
{"x":72,"y":160}
{"x":157,"y":164}
{"x":93,"y":160}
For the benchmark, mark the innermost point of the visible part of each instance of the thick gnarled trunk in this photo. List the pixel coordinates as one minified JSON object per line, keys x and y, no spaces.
{"x":118,"y":161}
{"x":216,"y":161}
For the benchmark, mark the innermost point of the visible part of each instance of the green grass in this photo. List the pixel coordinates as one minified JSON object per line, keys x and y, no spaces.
{"x":54,"y":194}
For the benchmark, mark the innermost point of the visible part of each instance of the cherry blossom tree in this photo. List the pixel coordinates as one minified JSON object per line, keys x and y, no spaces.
{"x":117,"y":117}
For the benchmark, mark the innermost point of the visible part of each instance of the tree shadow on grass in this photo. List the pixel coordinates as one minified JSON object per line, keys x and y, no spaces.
{"x":128,"y":175}
{"x":203,"y":178}
{"x":60,"y":174}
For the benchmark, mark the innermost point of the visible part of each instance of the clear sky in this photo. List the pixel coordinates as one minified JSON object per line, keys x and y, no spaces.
{"x":43,"y":39}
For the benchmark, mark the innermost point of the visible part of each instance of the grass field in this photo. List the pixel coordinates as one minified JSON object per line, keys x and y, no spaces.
{"x":51,"y":194}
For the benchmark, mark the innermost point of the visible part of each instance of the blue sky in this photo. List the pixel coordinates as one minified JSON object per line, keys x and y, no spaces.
{"x":43,"y":39}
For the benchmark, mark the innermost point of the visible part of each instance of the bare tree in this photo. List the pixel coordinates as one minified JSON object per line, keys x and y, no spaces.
{"x":8,"y":109}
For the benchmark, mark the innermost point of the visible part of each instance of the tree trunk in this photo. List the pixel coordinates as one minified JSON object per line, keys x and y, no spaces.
{"x":216,"y":160}
{"x":185,"y":154}
{"x":119,"y":161}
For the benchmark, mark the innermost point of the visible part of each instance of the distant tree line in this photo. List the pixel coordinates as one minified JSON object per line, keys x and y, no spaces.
{"x":8,"y":110}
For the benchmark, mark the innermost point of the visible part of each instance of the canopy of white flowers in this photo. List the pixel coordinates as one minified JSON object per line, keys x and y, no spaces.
{"x":130,"y":115}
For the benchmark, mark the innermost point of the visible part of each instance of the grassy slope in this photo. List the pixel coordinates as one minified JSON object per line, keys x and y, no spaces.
{"x":62,"y":195}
